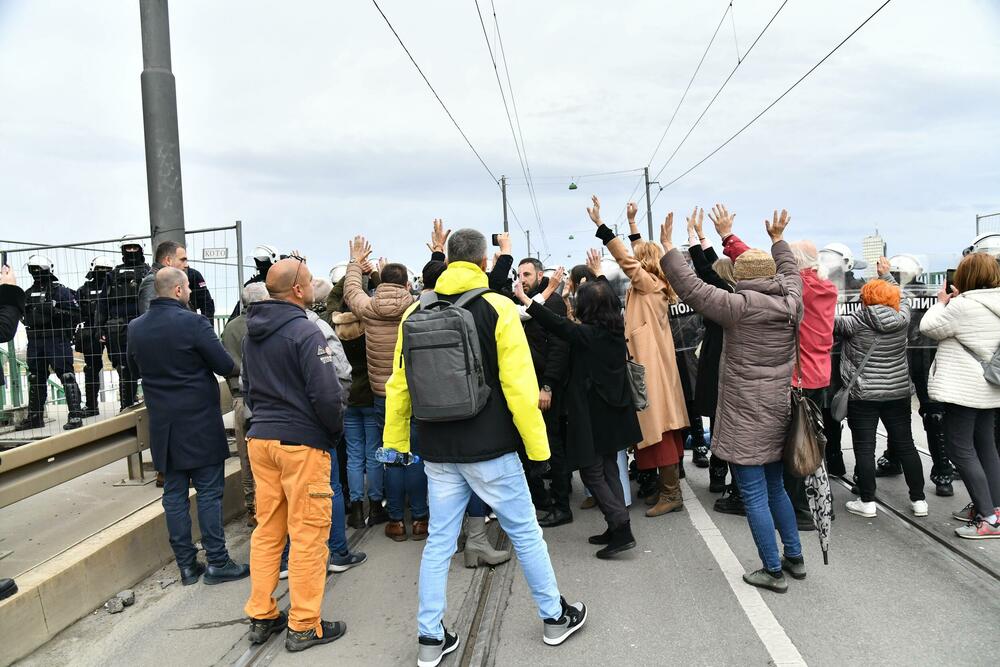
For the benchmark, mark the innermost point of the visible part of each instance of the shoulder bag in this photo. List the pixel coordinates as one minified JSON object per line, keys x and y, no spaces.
{"x":805,"y":443}
{"x":838,"y":406}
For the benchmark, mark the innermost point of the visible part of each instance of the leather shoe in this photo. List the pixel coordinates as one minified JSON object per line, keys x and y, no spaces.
{"x":229,"y":572}
{"x":556,"y":517}
{"x":395,"y":530}
{"x":192,"y":573}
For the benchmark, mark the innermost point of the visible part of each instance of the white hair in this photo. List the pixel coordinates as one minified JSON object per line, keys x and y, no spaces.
{"x":807,"y":260}
{"x":253,"y":293}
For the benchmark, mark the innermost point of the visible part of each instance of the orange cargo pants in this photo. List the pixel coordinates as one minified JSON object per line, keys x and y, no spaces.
{"x":294,"y":500}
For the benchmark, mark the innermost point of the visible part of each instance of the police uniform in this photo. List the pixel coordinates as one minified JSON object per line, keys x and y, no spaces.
{"x":201,"y":298}
{"x":51,"y":313}
{"x":123,"y":307}
{"x":90,"y":339}
{"x":264,"y":256}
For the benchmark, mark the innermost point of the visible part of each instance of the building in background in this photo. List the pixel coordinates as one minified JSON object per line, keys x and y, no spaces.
{"x":872,"y":247}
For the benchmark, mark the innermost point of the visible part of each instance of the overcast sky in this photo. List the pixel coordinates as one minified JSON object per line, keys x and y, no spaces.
{"x":307,"y":121}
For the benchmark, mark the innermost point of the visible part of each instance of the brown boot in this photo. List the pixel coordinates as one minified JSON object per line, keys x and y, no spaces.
{"x":670,"y":499}
{"x":396,"y":530}
{"x":419,"y":529}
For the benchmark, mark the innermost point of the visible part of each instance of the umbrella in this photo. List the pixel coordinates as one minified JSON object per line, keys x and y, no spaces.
{"x":821,"y":505}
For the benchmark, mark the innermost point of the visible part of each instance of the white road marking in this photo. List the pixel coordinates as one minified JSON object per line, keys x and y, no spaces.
{"x":772,"y":635}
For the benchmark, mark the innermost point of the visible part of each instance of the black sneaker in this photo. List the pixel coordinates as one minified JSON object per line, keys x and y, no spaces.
{"x":87,"y":413}
{"x":300,"y":641}
{"x":886,"y":468}
{"x":7,"y":588}
{"x":261,"y":629}
{"x":699,"y":456}
{"x":376,"y":513}
{"x":731,"y":502}
{"x":432,"y":651}
{"x":556,"y":517}
{"x":344,"y":562}
{"x":558,"y":630}
{"x":805,"y":523}
{"x":231,"y":571}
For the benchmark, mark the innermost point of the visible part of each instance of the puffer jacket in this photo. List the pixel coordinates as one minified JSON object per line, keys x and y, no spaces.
{"x":886,"y":376}
{"x":381,"y":315}
{"x":759,"y":322}
{"x":973,"y":319}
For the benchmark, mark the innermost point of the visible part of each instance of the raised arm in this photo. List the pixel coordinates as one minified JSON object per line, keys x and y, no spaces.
{"x":641,"y":279}
{"x":354,"y":294}
{"x":499,"y":278}
{"x":718,"y":305}
{"x":555,"y":324}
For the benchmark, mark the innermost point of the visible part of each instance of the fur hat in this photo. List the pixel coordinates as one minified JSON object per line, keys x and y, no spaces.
{"x":754,"y":263}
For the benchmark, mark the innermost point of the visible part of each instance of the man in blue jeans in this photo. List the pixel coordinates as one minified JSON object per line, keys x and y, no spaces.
{"x":479,"y":455}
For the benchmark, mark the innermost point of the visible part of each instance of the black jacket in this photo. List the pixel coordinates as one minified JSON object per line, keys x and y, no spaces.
{"x":50,"y":310}
{"x":602,"y":419}
{"x":123,"y":293}
{"x":706,"y":393}
{"x":549,"y":352}
{"x":93,"y":297}
{"x":201,"y":298}
{"x":11,"y":310}
{"x":290,"y":384}
{"x":178,"y":355}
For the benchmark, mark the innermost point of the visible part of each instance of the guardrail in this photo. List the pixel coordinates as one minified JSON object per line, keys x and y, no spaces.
{"x":42,"y":465}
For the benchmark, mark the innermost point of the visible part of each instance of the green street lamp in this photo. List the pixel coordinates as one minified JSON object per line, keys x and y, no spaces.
{"x":572,"y":185}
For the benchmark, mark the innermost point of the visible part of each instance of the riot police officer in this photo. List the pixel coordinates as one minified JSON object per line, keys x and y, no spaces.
{"x":920,"y":352}
{"x":51,"y":313}
{"x":264,"y":256}
{"x":201,"y":298}
{"x":91,"y":336}
{"x":123,"y":307}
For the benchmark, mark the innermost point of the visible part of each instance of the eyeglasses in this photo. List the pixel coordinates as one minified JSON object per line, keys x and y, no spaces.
{"x":302,"y":260}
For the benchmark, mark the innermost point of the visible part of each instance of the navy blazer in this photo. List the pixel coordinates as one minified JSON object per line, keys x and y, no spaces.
{"x":178,"y":355}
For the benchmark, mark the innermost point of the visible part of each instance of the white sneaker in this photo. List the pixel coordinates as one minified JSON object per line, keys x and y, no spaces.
{"x":283,"y":574}
{"x":861,"y":508}
{"x":919,"y":507}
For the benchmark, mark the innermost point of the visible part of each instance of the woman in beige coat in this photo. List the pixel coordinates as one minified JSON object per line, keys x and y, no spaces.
{"x":650,"y":343}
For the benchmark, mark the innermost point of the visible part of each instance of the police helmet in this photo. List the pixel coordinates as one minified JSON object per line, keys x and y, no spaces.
{"x":101,"y":262}
{"x":40,"y":263}
{"x":988,"y":243}
{"x":266,"y":253}
{"x":338,"y":271}
{"x":905,"y":268}
{"x":847,"y":260}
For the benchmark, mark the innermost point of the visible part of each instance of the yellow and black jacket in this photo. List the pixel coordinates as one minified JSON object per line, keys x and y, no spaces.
{"x":511,"y":415}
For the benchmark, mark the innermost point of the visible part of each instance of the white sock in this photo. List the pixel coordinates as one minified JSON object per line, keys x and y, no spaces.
{"x":991,"y":519}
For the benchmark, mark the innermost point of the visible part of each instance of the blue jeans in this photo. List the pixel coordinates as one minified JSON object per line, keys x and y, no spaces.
{"x":363,"y":437}
{"x":477,"y":508}
{"x":768,"y":507}
{"x":402,"y":482}
{"x":208,"y":482}
{"x":337,"y":542}
{"x":501,"y":484}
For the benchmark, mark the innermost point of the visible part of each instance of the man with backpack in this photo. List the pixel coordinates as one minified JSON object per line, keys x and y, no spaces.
{"x":462,"y":368}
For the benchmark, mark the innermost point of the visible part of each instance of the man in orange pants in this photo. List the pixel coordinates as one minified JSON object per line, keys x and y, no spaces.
{"x":291,"y":388}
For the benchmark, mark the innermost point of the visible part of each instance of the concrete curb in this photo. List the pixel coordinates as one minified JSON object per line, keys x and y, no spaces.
{"x":59,"y":592}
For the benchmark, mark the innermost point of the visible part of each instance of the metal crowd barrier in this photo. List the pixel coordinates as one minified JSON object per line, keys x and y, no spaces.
{"x":38,"y":466}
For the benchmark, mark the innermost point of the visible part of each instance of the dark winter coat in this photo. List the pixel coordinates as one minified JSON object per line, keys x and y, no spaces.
{"x":601,"y":416}
{"x":706,"y":393}
{"x":11,"y":310}
{"x":758,"y":355}
{"x":178,"y":356}
{"x":549,"y":354}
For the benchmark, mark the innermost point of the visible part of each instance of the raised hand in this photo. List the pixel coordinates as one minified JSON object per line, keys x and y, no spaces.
{"x":554,"y":281}
{"x":7,"y":276}
{"x":631,"y":210}
{"x":360,"y":249}
{"x":382,"y":262}
{"x":595,"y":212}
{"x":944,"y":296}
{"x":776,"y":227}
{"x":722,"y":219}
{"x":366,"y":267}
{"x":667,"y":232}
{"x":882,"y":266}
{"x":439,"y":236}
{"x":519,"y":293}
{"x":505,"y":245}
{"x":594,"y":262}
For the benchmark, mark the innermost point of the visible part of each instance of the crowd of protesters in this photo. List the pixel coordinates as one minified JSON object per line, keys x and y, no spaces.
{"x":346,"y":413}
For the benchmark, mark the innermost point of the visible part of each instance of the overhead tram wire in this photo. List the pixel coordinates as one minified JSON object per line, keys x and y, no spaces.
{"x":717,"y":93}
{"x":436,"y":96}
{"x":517,"y":119}
{"x":679,"y":103}
{"x":517,"y":146}
{"x":777,"y":99}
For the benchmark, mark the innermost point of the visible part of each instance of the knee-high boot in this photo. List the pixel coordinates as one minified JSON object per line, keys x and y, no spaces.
{"x":670,"y":497}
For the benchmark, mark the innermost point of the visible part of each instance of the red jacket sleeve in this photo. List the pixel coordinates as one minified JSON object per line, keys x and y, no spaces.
{"x":733,"y":247}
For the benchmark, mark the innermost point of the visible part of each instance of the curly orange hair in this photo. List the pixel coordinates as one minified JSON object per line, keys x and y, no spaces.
{"x":880,"y":293}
